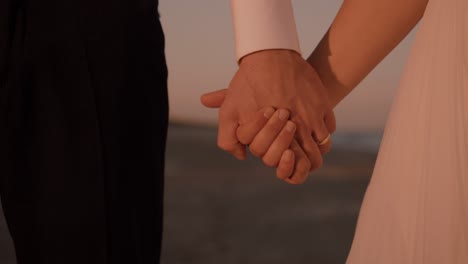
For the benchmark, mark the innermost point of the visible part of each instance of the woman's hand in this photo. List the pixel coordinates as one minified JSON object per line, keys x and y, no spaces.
{"x":270,"y":136}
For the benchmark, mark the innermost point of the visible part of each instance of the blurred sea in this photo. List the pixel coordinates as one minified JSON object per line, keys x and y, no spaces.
{"x":360,"y":142}
{"x":220,"y":210}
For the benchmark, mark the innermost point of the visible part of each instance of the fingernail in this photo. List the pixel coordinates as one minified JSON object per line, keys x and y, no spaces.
{"x":290,"y":126}
{"x":283,"y":114}
{"x":269,"y":112}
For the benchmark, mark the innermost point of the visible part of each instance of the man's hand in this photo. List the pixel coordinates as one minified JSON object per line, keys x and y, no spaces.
{"x":279,"y":78}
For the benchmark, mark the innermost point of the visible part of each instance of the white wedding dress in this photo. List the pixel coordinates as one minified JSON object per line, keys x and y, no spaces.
{"x":416,"y":207}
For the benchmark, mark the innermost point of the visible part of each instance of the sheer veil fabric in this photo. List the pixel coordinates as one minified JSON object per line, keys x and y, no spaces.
{"x":415,"y":210}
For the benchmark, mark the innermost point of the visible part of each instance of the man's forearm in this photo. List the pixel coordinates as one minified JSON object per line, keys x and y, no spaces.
{"x":363,"y":33}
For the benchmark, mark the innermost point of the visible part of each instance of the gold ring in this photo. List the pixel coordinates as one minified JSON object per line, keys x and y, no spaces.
{"x":324,"y":141}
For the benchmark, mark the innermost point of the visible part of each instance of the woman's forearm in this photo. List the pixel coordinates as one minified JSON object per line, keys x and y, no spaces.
{"x":362,"y":34}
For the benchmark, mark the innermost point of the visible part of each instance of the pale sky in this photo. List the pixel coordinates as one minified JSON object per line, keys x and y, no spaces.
{"x":201,"y":58}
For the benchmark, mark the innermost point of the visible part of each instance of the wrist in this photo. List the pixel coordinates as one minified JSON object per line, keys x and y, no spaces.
{"x":336,"y":90}
{"x":269,"y":56}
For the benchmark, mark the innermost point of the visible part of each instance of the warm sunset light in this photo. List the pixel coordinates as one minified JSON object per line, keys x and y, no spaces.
{"x":200,"y":53}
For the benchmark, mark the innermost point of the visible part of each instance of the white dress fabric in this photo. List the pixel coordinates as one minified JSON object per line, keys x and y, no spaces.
{"x":415,"y":210}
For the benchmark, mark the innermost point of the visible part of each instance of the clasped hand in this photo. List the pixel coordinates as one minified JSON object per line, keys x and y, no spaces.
{"x":276,"y":105}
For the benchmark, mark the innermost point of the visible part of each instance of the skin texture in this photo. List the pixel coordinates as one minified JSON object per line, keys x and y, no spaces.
{"x":285,"y":80}
{"x":362,"y":34}
{"x":268,"y":135}
{"x":271,"y":138}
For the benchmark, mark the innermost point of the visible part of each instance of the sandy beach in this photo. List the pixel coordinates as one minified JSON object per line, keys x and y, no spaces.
{"x":219,"y":210}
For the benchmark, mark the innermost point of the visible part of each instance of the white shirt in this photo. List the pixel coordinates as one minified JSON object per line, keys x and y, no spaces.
{"x":262,"y":25}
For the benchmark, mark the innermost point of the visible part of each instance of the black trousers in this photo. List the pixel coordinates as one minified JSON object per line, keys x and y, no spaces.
{"x":83,"y":124}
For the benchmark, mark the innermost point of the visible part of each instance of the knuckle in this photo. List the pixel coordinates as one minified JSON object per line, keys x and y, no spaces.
{"x":306,"y":164}
{"x":304,"y":167}
{"x":256,"y":151}
{"x":281,"y":173}
{"x":243,"y":139}
{"x":298,"y":180}
{"x":225,"y":146}
{"x":269,"y":162}
{"x":318,"y":162}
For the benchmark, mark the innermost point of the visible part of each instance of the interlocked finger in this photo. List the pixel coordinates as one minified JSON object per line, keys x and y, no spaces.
{"x":247,"y":131}
{"x":268,"y":134}
{"x":282,"y":142}
{"x":227,"y":139}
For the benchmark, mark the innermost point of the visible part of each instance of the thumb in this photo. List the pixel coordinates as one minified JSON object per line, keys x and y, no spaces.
{"x":214,"y":99}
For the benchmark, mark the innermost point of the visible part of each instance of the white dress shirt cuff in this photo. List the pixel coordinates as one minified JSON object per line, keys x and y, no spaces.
{"x":262,"y":25}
